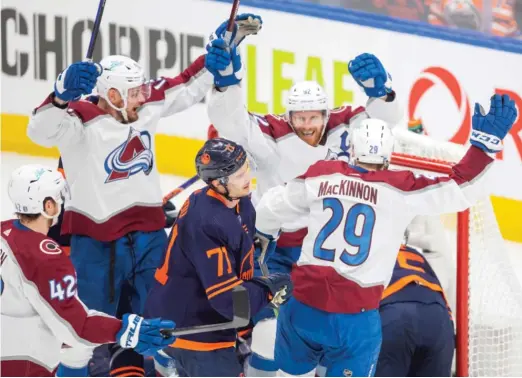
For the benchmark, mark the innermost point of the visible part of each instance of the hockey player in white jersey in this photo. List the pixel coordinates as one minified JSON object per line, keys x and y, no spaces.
{"x":356,"y":217}
{"x":40,"y":307}
{"x":115,"y":213}
{"x":284,"y":146}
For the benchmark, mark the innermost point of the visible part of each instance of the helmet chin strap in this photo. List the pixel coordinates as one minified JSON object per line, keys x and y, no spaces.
{"x":123,"y":110}
{"x":53,"y":218}
{"x":224,"y":182}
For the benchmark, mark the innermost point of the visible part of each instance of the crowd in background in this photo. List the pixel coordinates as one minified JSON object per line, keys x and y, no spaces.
{"x":496,"y":17}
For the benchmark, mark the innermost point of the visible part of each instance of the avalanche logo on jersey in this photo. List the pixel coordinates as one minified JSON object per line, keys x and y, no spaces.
{"x":131,"y":157}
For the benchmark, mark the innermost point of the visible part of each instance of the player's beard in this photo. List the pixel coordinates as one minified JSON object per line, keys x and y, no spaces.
{"x":311,"y":136}
{"x":132,"y":115}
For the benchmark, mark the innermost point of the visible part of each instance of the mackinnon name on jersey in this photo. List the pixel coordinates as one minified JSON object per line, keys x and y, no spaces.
{"x":349,"y":188}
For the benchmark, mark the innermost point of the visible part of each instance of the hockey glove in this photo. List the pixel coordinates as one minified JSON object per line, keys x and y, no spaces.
{"x":76,"y":80}
{"x":144,"y":334}
{"x":224,"y":65}
{"x":489,"y":130}
{"x":246,"y":24}
{"x":369,"y":73}
{"x":279,"y":285}
{"x":171,"y":214}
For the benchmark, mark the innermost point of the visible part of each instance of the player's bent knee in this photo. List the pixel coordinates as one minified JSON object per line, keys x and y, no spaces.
{"x":263,"y":338}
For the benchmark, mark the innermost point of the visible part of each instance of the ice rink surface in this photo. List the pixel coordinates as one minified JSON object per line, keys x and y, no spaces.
{"x":11,"y":161}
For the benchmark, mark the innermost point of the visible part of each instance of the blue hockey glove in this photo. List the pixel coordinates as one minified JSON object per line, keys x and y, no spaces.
{"x":224,"y":63}
{"x":144,"y":334}
{"x":171,"y":214}
{"x":369,"y":73}
{"x":246,"y":24}
{"x":489,"y":130}
{"x":76,"y":80}
{"x":279,"y":285}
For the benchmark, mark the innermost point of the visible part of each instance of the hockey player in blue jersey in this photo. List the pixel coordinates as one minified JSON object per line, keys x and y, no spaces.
{"x":211,"y":251}
{"x":418,"y":338}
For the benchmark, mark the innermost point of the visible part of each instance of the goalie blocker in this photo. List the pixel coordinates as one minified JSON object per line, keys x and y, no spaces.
{"x":209,"y":257}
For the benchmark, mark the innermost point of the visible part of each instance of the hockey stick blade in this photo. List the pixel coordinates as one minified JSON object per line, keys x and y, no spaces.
{"x":241,"y":308}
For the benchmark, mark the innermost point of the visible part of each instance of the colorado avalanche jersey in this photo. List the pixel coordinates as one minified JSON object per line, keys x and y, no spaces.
{"x":210,"y":252}
{"x":356,"y":222}
{"x":278,"y":154}
{"x":110,"y":166}
{"x":40,"y":307}
{"x":413,"y":280}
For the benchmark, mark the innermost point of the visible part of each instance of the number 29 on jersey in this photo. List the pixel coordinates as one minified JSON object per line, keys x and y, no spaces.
{"x":357,"y":223}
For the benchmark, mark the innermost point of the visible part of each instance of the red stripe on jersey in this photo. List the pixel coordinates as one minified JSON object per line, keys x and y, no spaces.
{"x":341,"y":116}
{"x":47,"y":101}
{"x":292,"y":239}
{"x":137,"y":218}
{"x":274,"y":126}
{"x":471,"y":166}
{"x":86,"y":110}
{"x":163,"y":84}
{"x":323,"y":288}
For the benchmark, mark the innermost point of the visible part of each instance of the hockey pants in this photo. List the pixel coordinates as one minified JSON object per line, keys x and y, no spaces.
{"x":103,"y":267}
{"x":417,"y":340}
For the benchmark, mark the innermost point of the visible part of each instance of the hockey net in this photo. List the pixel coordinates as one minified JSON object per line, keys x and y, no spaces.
{"x":489,"y":294}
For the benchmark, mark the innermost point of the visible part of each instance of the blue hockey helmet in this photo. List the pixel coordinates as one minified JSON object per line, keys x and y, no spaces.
{"x":218,"y":159}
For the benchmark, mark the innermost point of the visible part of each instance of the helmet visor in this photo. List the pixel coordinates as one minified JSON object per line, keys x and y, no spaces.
{"x":140,"y":93}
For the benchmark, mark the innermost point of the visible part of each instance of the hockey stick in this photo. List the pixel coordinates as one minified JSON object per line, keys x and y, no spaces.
{"x":231,"y":21}
{"x":179,"y":189}
{"x":95,"y":30}
{"x":263,"y":244}
{"x":241,"y":310}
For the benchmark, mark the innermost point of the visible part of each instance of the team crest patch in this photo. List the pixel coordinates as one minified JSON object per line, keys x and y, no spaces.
{"x":131,"y":157}
{"x":50,"y":247}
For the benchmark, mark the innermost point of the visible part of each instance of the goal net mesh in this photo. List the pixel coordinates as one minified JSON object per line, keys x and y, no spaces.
{"x":494,"y":295}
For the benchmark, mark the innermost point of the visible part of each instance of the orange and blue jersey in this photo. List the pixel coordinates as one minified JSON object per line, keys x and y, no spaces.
{"x":413,"y":280}
{"x":210,"y":252}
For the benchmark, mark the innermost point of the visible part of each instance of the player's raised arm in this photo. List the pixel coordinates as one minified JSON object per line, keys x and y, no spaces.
{"x":469,"y":180}
{"x":189,"y":88}
{"x":226,"y":108}
{"x":368,"y":71}
{"x":184,"y":90}
{"x":282,"y":204}
{"x":51,"y":123}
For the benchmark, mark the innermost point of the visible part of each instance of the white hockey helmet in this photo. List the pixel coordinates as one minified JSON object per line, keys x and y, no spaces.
{"x":307,"y":96}
{"x":32,"y":184}
{"x":123,"y":74}
{"x":371,"y":141}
